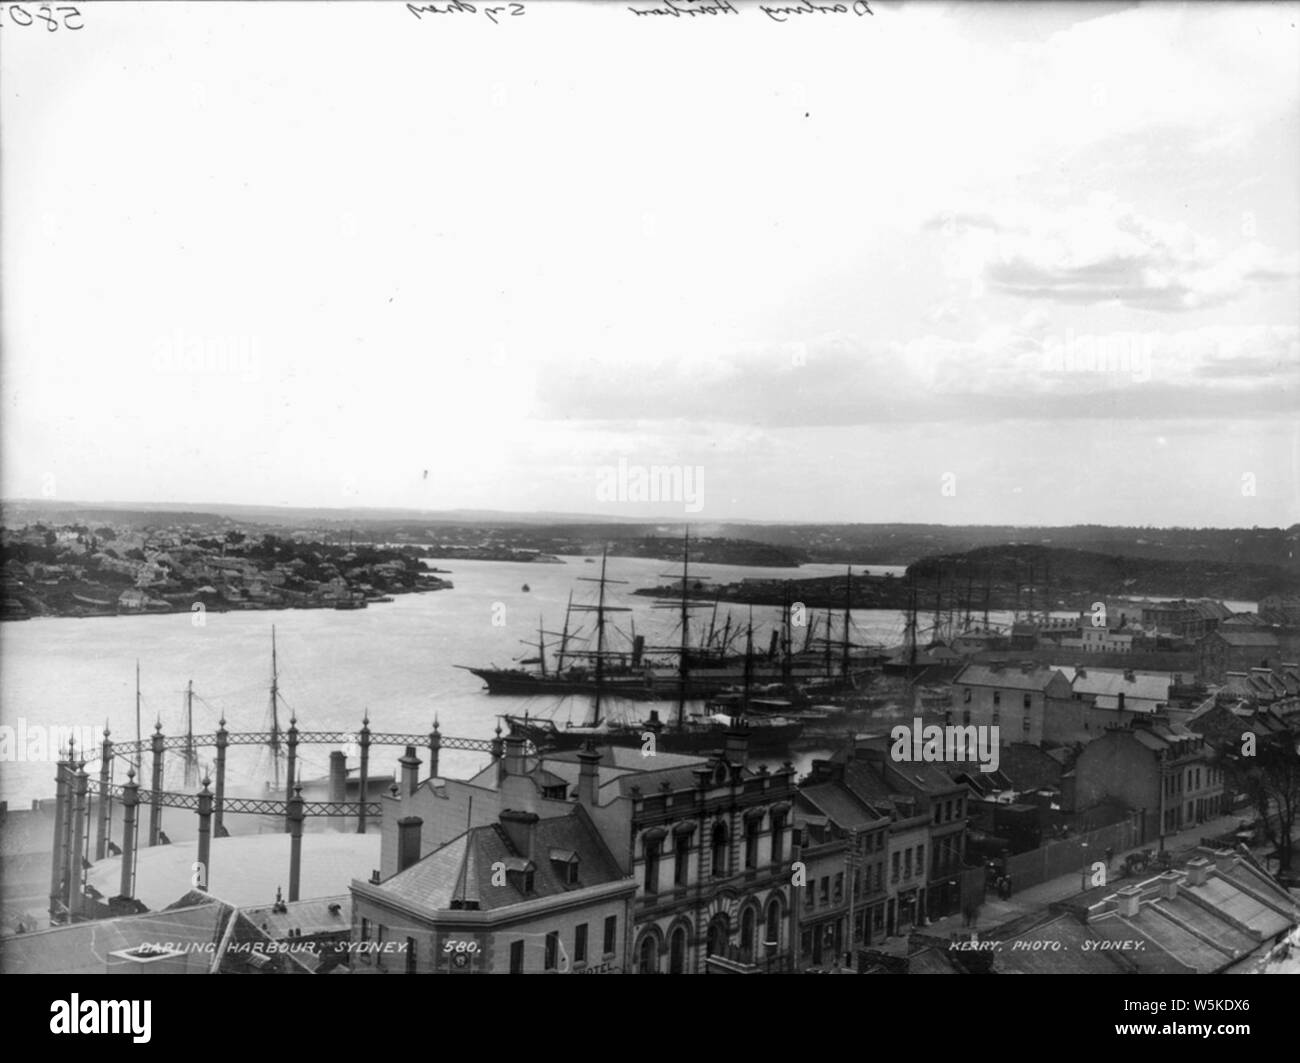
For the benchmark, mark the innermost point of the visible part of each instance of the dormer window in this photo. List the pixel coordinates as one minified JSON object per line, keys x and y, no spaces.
{"x":565,"y":862}
{"x":521,"y":874}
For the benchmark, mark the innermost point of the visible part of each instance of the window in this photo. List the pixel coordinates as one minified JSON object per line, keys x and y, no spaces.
{"x":719,"y":850}
{"x":959,"y":807}
{"x":379,"y":943}
{"x":773,"y":937}
{"x":826,"y":889}
{"x":517,"y":957}
{"x":920,"y":859}
{"x":1027,"y":726}
{"x":677,"y":952}
{"x":893,"y":867}
{"x":965,"y":717}
{"x":839,"y":887}
{"x":649,"y":956}
{"x":410,"y":956}
{"x":938,"y":812}
{"x":752,"y":827}
{"x":947,"y":811}
{"x":682,"y":861}
{"x":365,"y":929}
{"x":880,"y":876}
{"x":810,"y":896}
{"x":778,"y":836}
{"x":552,"y":951}
{"x":907,"y":863}
{"x":997,"y":717}
{"x":611,"y":931}
{"x":1028,"y":701}
{"x":997,"y":697}
{"x":880,"y":841}
{"x":580,"y":943}
{"x":965,"y":696}
{"x":652,"y":865}
{"x":857,"y":883}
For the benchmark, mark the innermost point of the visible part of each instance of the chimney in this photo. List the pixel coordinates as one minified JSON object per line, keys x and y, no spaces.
{"x":408,"y":841}
{"x":1130,"y":897}
{"x":1197,"y":871}
{"x":521,"y":828}
{"x":1169,"y":885}
{"x":638,"y":649}
{"x":588,"y":774}
{"x":1224,"y":860}
{"x":737,"y":745}
{"x":410,"y":771}
{"x":1128,"y":676}
{"x":1121,"y":701}
{"x":1081,"y":673}
{"x":514,"y":759}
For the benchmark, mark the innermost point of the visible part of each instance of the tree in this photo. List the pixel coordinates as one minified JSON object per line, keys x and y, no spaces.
{"x":1271,"y":778}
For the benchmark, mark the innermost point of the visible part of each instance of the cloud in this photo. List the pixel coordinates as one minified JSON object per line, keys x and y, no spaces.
{"x":1104,"y":252}
{"x":1022,"y":370}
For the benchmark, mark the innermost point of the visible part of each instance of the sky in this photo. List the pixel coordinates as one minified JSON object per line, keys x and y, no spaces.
{"x":1032,"y":264}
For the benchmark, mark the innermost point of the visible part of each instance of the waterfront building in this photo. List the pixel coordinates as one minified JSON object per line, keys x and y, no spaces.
{"x":1165,"y":771}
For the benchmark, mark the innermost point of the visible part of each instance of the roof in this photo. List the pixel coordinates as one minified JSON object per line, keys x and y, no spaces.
{"x":1008,"y":677}
{"x":1245,"y":638}
{"x":841,"y":806}
{"x":304,"y":917}
{"x":462,"y":870}
{"x":84,"y":948}
{"x":1110,"y":683}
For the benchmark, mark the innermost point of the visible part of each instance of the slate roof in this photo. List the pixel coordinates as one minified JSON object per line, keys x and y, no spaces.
{"x":839,"y":804}
{"x":462,"y":869}
{"x":1008,"y":677}
{"x":1245,"y":638}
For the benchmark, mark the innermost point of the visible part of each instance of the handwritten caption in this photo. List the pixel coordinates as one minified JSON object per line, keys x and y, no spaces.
{"x":688,"y":9}
{"x":50,"y":18}
{"x":776,"y":12}
{"x":493,"y":12}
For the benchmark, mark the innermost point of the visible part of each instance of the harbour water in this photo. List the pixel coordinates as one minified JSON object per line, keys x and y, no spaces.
{"x":395,"y":661}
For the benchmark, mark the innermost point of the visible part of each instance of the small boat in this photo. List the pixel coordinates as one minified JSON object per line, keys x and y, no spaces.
{"x":525,"y":588}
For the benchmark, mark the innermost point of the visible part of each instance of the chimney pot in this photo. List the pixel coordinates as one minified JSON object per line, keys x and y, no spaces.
{"x":1130,"y":897}
{"x":1197,"y":871}
{"x":408,"y":841}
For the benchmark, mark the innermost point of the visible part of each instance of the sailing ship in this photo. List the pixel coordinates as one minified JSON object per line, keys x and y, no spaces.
{"x":688,"y":733}
{"x":688,"y":671}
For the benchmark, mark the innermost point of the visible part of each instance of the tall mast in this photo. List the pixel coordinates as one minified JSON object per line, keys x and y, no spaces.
{"x":541,"y":644}
{"x":684,"y":666}
{"x":189,"y":733}
{"x":848,"y":604}
{"x":275,"y":703}
{"x":600,"y":610}
{"x":938,"y":602}
{"x":910,"y":636}
{"x":988,"y":586}
{"x":827,"y":643}
{"x":749,"y":663}
{"x":1031,"y":592}
{"x":970,"y":579}
{"x":564,"y":636}
{"x":785,"y":636}
{"x":139,"y":739}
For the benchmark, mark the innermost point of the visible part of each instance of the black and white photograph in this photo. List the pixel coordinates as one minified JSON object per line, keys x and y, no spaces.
{"x":686,"y":487}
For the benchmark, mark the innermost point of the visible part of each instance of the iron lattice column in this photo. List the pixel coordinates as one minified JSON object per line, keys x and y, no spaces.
{"x":56,"y":869}
{"x":155,"y":796}
{"x":105,"y":801}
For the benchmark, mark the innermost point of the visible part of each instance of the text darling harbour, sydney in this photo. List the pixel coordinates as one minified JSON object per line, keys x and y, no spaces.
{"x":776,"y":12}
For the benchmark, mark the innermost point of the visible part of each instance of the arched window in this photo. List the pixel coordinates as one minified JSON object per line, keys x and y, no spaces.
{"x":719,"y":850}
{"x":747,"y":922}
{"x":677,"y":952}
{"x":649,"y":956}
{"x":772,"y":938}
{"x":719,"y":935}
